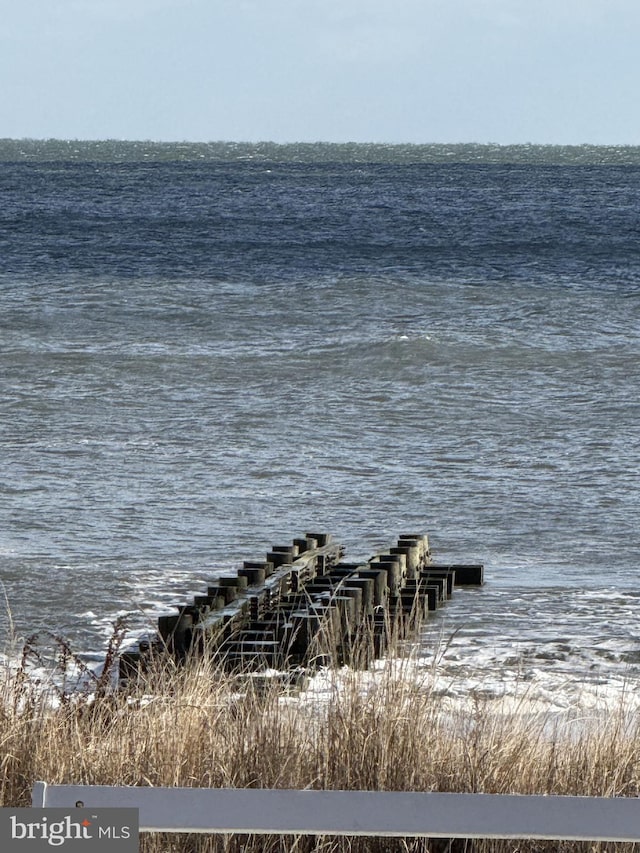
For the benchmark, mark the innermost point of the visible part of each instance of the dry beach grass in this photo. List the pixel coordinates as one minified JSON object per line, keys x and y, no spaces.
{"x":194,"y":725}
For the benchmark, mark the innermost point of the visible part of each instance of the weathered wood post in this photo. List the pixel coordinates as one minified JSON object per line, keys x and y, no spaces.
{"x":303,"y":606}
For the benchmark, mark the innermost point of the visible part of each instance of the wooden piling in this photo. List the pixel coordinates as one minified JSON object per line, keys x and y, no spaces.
{"x":303,"y":606}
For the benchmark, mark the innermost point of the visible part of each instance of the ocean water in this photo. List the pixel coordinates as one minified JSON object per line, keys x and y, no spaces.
{"x":208,"y":350}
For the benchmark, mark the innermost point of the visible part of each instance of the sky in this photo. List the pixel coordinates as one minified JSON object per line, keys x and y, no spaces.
{"x":387,"y":71}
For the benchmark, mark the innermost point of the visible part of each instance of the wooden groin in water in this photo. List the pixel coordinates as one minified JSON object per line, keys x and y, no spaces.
{"x":304,"y":606}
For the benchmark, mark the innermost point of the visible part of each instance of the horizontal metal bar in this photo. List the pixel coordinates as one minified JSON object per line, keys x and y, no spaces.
{"x":373,"y":813}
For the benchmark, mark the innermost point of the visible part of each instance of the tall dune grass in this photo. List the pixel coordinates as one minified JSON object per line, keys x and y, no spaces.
{"x":195,"y":725}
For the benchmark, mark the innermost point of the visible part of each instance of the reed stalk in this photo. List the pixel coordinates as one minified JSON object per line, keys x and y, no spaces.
{"x":378,"y":728}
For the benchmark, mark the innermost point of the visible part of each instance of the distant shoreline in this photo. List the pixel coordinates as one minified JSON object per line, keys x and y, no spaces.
{"x":116,"y":151}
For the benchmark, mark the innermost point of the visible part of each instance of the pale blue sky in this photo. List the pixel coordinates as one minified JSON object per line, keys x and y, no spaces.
{"x":505,"y":71}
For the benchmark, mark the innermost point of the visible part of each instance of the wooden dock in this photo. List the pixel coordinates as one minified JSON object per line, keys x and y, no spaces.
{"x":303,"y":606}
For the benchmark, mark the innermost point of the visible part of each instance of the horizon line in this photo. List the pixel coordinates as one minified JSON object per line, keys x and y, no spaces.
{"x":151,"y":141}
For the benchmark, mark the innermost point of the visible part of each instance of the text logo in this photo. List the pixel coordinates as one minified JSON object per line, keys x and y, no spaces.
{"x":37,"y":830}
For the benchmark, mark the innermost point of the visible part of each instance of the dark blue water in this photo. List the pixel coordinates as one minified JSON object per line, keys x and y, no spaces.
{"x":201,"y":359}
{"x":284,"y":221}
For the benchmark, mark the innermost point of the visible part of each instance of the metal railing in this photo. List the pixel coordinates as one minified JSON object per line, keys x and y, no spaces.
{"x":358,"y":813}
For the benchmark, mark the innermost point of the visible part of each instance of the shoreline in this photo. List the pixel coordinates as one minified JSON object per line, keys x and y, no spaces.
{"x":386,"y":728}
